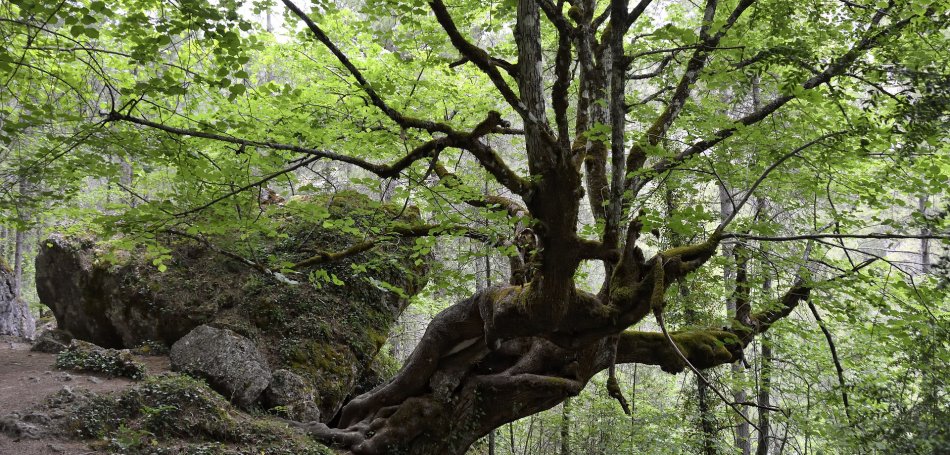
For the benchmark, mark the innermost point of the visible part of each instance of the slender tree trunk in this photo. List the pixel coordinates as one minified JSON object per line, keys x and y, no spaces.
{"x":126,"y":178}
{"x":765,"y":369}
{"x":742,"y":429}
{"x":386,"y":189}
{"x":764,"y":398}
{"x":19,"y":241}
{"x":566,"y":427}
{"x":633,"y":403}
{"x":3,"y":243}
{"x":705,"y":419}
{"x":527,"y":439}
{"x":924,"y":243}
{"x":18,"y":263}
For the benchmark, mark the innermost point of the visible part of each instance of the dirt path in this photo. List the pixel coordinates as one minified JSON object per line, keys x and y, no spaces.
{"x":27,"y":378}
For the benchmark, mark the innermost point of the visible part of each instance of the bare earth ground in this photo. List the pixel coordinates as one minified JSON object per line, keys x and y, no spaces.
{"x":27,"y":378}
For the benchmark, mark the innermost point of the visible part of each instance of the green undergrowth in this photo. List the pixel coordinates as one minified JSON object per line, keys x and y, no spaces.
{"x":175,"y":414}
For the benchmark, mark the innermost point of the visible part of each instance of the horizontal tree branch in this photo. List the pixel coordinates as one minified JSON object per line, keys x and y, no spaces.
{"x":490,"y":160}
{"x":512,"y":207}
{"x":790,"y":238}
{"x":316,"y":153}
{"x":703,"y":348}
{"x":501,"y":63}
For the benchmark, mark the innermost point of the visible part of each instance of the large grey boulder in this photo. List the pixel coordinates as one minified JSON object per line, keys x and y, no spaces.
{"x":230,"y":363}
{"x":26,"y":426}
{"x":294,"y":395}
{"x":15,"y":317}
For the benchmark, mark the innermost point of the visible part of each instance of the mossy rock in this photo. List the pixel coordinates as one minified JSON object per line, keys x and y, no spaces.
{"x":328,"y":331}
{"x":84,"y":356}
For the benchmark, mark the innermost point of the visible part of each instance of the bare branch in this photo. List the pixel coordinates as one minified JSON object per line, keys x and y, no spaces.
{"x":635,"y":14}
{"x":419,"y":230}
{"x":254,"y":265}
{"x":316,"y":153}
{"x":790,"y":238}
{"x":244,"y":188}
{"x":509,"y":67}
{"x":654,"y":73}
{"x":660,"y":127}
{"x":834,"y":358}
{"x":476,"y":55}
{"x":396,"y":116}
{"x":490,"y":160}
{"x":554,"y":15}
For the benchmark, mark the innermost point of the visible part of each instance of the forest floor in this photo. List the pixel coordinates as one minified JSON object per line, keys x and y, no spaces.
{"x":27,"y":378}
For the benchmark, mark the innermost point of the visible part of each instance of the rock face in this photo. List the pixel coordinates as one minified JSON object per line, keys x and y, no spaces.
{"x":15,"y":317}
{"x":107,"y":304}
{"x":327,"y":333}
{"x":168,"y":413}
{"x":230,"y":363}
{"x":294,"y":394}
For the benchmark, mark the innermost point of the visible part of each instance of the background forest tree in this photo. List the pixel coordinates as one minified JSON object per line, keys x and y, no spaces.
{"x":767,"y":178}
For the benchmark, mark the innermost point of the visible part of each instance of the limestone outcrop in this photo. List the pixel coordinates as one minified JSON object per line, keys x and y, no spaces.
{"x":15,"y":317}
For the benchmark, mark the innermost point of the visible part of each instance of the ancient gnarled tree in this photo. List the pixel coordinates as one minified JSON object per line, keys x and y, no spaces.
{"x":519,"y":348}
{"x":584,"y":115}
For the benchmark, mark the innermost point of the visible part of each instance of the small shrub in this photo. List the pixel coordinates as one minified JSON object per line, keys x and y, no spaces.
{"x":129,"y":439}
